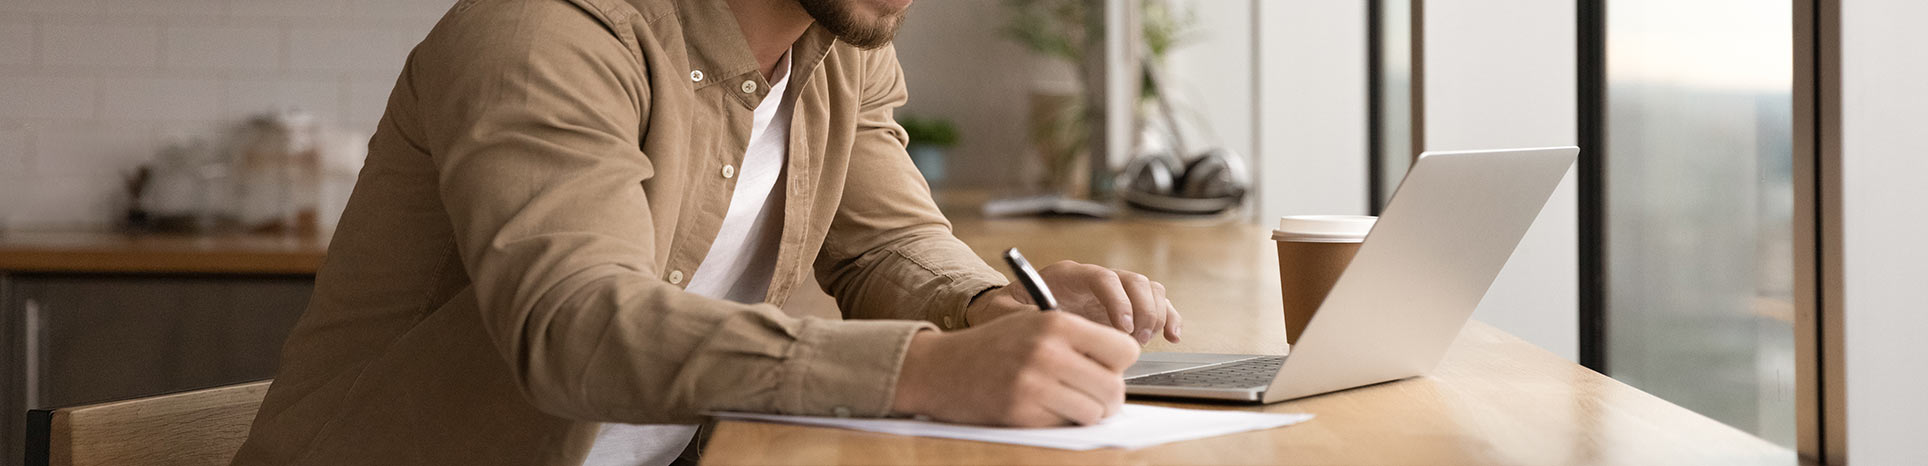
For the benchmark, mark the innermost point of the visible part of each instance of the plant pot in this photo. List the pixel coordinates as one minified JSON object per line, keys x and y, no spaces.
{"x":1060,"y":137}
{"x":929,"y":160}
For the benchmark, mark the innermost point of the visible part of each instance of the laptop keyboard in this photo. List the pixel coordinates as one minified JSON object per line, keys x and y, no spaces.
{"x":1256,"y":372}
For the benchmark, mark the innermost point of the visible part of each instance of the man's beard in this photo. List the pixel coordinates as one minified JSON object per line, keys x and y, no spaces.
{"x":837,"y":17}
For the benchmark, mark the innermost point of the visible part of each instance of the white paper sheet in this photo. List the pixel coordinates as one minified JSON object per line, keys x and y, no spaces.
{"x":1135,"y":426}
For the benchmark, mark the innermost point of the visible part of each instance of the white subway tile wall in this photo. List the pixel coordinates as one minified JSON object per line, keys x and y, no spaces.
{"x":203,"y":47}
{"x":89,"y":89}
{"x":170,"y":8}
{"x":322,"y":97}
{"x":30,"y":98}
{"x":161,"y":99}
{"x":90,"y":150}
{"x":100,"y":43}
{"x":58,"y":6}
{"x":16,"y":42}
{"x":13,"y":151}
{"x":367,"y":95}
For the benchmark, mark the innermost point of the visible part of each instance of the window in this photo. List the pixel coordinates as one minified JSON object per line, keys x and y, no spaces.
{"x":1695,"y":204}
{"x":1393,"y":96}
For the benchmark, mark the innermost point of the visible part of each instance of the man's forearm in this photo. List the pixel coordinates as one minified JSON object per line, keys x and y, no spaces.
{"x":981,"y":309}
{"x":925,"y":275}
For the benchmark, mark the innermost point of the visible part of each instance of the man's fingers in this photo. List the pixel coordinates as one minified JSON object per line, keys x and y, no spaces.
{"x":1074,"y":406}
{"x":1110,"y":292}
{"x":1171,"y":326}
{"x":1173,"y":322}
{"x":1093,"y":379}
{"x":1032,"y":413}
{"x":1147,"y":310}
{"x":1044,"y":399}
{"x":1115,"y":351}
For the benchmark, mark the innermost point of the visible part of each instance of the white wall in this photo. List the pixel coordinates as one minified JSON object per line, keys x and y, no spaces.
{"x":1212,"y":75}
{"x":1499,"y":74}
{"x":1883,"y":215}
{"x":1307,"y":142}
{"x":1312,"y":109}
{"x":960,"y":67}
{"x":89,"y":89}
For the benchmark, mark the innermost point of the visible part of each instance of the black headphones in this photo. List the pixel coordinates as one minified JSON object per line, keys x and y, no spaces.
{"x":1207,"y":183}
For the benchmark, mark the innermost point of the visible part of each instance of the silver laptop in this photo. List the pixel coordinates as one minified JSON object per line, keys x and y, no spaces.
{"x":1404,"y":297}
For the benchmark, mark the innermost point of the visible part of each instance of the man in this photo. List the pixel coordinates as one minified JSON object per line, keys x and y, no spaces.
{"x":577,"y":220}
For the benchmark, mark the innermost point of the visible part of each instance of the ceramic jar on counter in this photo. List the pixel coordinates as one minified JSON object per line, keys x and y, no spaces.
{"x":277,"y":172}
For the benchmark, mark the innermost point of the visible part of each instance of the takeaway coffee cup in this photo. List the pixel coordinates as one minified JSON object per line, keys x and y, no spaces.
{"x":1313,"y":250}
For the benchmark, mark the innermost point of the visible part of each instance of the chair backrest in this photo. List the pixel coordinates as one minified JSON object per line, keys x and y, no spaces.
{"x":202,"y":427}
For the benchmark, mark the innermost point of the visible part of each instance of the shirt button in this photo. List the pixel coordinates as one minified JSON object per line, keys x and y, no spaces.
{"x":947,"y":322}
{"x":675,"y":277}
{"x":728,"y":171}
{"x":842,"y":411}
{"x":696,"y":75}
{"x":749,"y":87}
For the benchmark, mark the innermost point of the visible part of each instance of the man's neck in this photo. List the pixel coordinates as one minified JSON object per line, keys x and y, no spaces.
{"x":770,"y":26}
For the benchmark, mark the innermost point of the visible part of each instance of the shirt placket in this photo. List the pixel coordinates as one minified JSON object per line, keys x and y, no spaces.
{"x":801,"y":166}
{"x":728,"y":122}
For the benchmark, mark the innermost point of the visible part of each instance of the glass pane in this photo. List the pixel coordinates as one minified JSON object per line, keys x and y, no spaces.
{"x":1395,"y":112}
{"x":1699,"y":207}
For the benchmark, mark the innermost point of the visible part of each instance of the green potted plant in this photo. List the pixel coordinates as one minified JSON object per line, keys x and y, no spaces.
{"x":930,"y":138}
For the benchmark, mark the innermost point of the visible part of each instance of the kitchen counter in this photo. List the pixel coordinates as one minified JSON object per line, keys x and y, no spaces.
{"x":94,"y":316}
{"x":108,"y":252}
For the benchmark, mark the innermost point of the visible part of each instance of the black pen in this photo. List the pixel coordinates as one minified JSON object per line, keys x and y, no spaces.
{"x":1033,"y":284}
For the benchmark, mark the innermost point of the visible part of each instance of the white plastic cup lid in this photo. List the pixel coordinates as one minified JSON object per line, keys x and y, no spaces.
{"x":1324,"y":228}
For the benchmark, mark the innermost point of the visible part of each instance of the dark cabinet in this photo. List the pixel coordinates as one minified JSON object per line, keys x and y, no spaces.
{"x":83,"y":338}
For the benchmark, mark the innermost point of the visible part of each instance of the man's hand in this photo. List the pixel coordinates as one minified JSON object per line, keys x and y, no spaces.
{"x":1031,"y":370}
{"x":1122,"y":299}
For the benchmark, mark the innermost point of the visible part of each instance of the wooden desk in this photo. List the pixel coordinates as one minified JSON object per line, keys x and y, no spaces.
{"x":1494,"y":400}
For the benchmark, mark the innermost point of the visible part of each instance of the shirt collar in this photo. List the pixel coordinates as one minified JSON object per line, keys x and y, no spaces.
{"x":716,"y":45}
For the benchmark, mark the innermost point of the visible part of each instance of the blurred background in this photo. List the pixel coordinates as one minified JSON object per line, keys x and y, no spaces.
{"x":96,"y":89}
{"x":171,"y":169}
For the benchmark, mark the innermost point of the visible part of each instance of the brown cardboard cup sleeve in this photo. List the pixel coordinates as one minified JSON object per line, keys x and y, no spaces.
{"x":1313,"y":252}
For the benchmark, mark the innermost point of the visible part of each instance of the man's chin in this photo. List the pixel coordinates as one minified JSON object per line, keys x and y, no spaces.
{"x":867,"y":42}
{"x":866,"y":24}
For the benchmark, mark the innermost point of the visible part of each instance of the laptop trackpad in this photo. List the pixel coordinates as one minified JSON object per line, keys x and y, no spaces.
{"x":1159,"y":363}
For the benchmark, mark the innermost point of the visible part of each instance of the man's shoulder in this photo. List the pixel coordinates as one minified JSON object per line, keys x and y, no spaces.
{"x":483,"y":35}
{"x":487,"y":52}
{"x":548,"y":20}
{"x":867,"y":66}
{"x":609,"y":10}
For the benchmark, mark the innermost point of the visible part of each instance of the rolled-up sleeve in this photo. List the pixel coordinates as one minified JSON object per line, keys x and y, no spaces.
{"x":890,"y":253}
{"x":531,"y":114}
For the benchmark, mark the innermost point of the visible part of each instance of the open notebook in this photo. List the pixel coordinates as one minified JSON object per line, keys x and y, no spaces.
{"x":1135,"y":426}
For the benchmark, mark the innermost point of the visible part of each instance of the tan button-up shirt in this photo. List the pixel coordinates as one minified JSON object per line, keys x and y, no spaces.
{"x":547,"y":176}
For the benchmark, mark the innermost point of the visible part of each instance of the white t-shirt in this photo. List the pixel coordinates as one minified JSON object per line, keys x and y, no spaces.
{"x":737,"y":268}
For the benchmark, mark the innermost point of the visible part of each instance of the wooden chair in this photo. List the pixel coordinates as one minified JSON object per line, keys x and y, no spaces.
{"x":202,"y":427}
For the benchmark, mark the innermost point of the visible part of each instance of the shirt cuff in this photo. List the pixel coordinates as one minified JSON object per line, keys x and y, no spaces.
{"x":949,"y":305}
{"x":847,"y":368}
